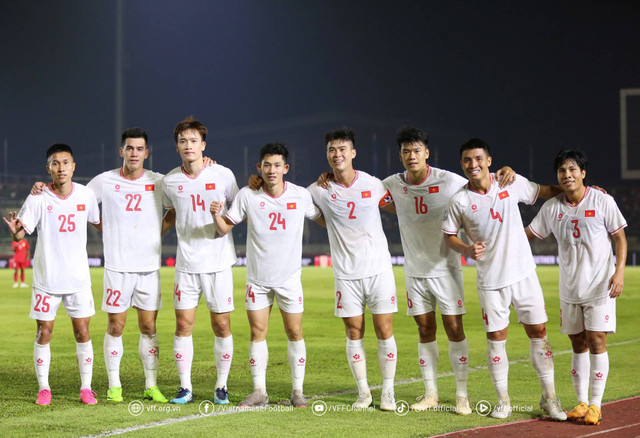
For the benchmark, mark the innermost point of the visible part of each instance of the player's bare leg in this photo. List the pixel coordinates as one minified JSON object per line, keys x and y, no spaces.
{"x":387,"y":358}
{"x":258,"y":357}
{"x":498,"y":364}
{"x":42,"y":360}
{"x":113,"y":350}
{"x":428,"y":360}
{"x":297,"y":355}
{"x":542,"y":361}
{"x":354,"y":327}
{"x":149,"y":351}
{"x":84,"y":354}
{"x":580,"y":372}
{"x":183,"y":353}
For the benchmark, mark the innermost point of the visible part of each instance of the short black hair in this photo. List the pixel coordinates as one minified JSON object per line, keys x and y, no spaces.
{"x":475,"y":143}
{"x":59,"y":147}
{"x":134,"y":133}
{"x":409,"y":135}
{"x":274,"y":149}
{"x":343,"y":133}
{"x":568,"y":154}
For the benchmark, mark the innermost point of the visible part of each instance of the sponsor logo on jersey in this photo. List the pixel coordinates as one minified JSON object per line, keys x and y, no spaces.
{"x":210,"y":186}
{"x":503,"y":195}
{"x":261,"y":204}
{"x":434,"y":189}
{"x":180,"y":189}
{"x":291,"y":205}
{"x":560,"y":216}
{"x":117,"y":187}
{"x":589,"y":213}
{"x":474,"y":207}
{"x":149,"y":187}
{"x":334,"y":196}
{"x":366,"y":194}
{"x":81,"y":207}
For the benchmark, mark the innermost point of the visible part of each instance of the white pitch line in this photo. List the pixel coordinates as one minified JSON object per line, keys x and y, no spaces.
{"x":319,"y":396}
{"x":610,"y":430}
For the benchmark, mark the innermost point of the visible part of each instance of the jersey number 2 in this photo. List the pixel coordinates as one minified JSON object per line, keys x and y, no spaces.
{"x":131,"y":198}
{"x":115,"y":294}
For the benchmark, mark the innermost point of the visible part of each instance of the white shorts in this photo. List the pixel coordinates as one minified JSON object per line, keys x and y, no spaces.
{"x":44,"y":306}
{"x":424,"y":293}
{"x":377,"y":292}
{"x":596,"y":316}
{"x":217,"y":288}
{"x":289,"y":296}
{"x":122,"y":290}
{"x":526,"y":297}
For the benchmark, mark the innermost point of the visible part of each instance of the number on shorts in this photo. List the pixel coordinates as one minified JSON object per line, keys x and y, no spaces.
{"x":409,"y":302}
{"x":249,"y":294}
{"x":339,"y":295}
{"x":115,"y":294}
{"x":176,"y":291}
{"x":576,"y":233}
{"x":43,"y":302}
{"x":485,"y":317}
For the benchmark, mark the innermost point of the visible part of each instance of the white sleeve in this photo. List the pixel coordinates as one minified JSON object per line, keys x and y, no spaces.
{"x":311,"y":211}
{"x":527,"y":191}
{"x":31,"y":212}
{"x":93,"y":215}
{"x":613,"y":219}
{"x":238,"y":210}
{"x":452,"y":220}
{"x":539,"y":225}
{"x":166,"y":200}
{"x":96,"y":185}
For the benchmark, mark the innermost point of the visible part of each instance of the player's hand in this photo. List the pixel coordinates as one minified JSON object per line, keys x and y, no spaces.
{"x":600,"y":189}
{"x":324,"y":179}
{"x":14,"y":223}
{"x":216,"y":208}
{"x":475,"y":251}
{"x":506,"y":176}
{"x":616,"y":283}
{"x":255,"y":182}
{"x":207,"y":162}
{"x":38,"y":188}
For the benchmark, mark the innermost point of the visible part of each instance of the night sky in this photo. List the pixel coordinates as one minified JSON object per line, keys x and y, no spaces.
{"x":526,"y":76}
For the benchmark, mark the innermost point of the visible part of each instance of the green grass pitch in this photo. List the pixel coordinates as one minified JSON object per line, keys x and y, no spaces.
{"x":328,"y":377}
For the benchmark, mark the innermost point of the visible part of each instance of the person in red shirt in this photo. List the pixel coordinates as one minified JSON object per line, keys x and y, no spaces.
{"x":21,"y":255}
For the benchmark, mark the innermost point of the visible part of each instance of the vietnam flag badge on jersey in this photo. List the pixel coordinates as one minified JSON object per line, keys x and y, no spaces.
{"x":366,"y":194}
{"x":291,"y":205}
{"x":149,"y":187}
{"x":81,"y":207}
{"x":210,"y":186}
{"x":434,"y":189}
{"x":589,"y":213}
{"x":503,"y":195}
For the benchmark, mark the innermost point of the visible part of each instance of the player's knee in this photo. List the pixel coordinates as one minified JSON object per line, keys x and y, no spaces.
{"x":82,"y":334}
{"x":222,"y":329}
{"x":597,"y":344}
{"x":427,"y":333}
{"x":147,"y":327}
{"x":43,"y":335}
{"x":183,"y":328}
{"x":115,"y":329}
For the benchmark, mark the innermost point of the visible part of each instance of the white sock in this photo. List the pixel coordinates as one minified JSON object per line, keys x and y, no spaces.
{"x":358,"y":364}
{"x":112,"y":349}
{"x":387,"y":360}
{"x":459,"y":358}
{"x":580,"y":366}
{"x":183,"y":355}
{"x":223,"y":352}
{"x":598,"y":377}
{"x":542,"y":361}
{"x":149,"y":351}
{"x":42,"y":361}
{"x":258,"y":359}
{"x":84,"y":354}
{"x":498,"y":365}
{"x":428,"y":356}
{"x":297,"y":354}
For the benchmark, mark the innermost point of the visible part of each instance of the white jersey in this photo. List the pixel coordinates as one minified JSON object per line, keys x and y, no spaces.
{"x":199,"y":250}
{"x":358,"y":245}
{"x":274,"y":231}
{"x":582,"y":232}
{"x":494,"y":218}
{"x":420,"y":208}
{"x":60,"y":264}
{"x":131,"y":220}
